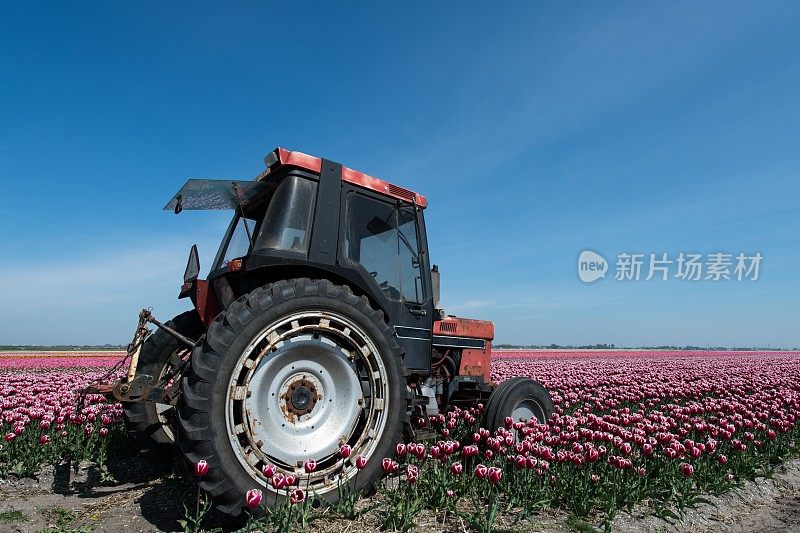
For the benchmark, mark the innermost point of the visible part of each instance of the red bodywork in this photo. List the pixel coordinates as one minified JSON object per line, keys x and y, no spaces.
{"x":203,"y":298}
{"x":474,"y":361}
{"x":314,"y":164}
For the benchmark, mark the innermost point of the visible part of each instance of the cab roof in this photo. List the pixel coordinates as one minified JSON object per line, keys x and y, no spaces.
{"x":210,"y":194}
{"x":282,"y":157}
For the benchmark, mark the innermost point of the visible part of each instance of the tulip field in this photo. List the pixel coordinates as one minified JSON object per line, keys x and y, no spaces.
{"x":659,"y":428}
{"x":41,"y":421}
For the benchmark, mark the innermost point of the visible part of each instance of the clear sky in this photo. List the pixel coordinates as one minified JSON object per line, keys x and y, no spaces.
{"x":536,"y":131}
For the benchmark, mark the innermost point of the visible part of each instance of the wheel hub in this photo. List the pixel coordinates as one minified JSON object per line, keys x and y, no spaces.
{"x":300,"y":398}
{"x":527,"y":410}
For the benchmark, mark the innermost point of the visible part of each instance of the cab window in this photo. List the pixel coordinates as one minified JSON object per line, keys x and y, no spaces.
{"x":383,"y":239}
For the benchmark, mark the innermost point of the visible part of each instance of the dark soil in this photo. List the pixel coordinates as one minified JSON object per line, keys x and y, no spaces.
{"x":148,"y":494}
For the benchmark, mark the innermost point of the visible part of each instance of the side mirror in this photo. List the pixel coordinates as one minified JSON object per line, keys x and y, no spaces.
{"x":435,"y":285}
{"x":192,"y":266}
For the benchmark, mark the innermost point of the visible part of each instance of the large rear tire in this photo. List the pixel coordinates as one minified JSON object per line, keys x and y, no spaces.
{"x":151,"y":424}
{"x":522,"y":399}
{"x":290,"y":372}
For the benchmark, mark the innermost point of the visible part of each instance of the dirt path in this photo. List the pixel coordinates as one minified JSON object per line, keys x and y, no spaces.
{"x":763,"y":505}
{"x":149,"y":497}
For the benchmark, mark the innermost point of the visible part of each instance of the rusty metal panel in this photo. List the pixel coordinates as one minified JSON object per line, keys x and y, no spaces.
{"x":475,"y":363}
{"x":464,"y":327}
{"x":206,"y":302}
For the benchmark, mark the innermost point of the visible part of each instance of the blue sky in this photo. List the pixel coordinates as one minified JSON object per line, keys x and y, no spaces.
{"x":536,"y":131}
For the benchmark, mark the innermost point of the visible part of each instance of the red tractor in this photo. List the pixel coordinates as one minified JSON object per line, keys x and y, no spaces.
{"x":318,"y":326}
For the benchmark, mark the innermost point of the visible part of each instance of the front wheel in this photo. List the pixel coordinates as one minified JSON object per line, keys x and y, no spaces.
{"x":288,"y":373}
{"x":522,"y":399}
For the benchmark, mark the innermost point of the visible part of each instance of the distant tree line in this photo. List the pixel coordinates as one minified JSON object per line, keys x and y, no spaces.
{"x":91,"y":347}
{"x":59,"y":347}
{"x":614,"y":347}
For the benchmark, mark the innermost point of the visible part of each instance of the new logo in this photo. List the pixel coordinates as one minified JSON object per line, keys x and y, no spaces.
{"x":591,"y":266}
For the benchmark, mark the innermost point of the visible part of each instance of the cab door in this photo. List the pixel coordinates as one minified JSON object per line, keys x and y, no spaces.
{"x":385,"y":241}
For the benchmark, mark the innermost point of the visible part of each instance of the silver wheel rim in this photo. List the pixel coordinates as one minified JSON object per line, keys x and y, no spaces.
{"x":306,"y":384}
{"x":528,"y":409}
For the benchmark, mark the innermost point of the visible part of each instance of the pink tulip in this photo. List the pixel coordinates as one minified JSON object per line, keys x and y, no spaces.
{"x":400,"y":450}
{"x":310,"y":466}
{"x":361,"y":462}
{"x":278,"y":481}
{"x":297,"y":496}
{"x":253,"y":498}
{"x":201,"y":468}
{"x":345,"y":450}
{"x":268,"y":471}
{"x":412,"y":474}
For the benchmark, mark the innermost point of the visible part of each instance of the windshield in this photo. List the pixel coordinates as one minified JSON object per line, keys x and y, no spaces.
{"x":280,"y":222}
{"x":287,"y":222}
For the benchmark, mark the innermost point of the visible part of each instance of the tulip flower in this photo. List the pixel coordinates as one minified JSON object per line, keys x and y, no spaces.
{"x":412,"y":474}
{"x":345,"y":450}
{"x":400,"y":450}
{"x":253,"y":498}
{"x":201,"y":468}
{"x":297,"y":496}
{"x":278,"y":481}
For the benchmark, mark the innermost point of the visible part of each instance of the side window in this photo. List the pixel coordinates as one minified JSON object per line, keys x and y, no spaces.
{"x":410,"y":270}
{"x":383,"y":240}
{"x":372,"y":241}
{"x":239,"y":243}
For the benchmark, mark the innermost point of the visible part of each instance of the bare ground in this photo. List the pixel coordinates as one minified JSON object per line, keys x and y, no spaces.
{"x":148,"y":496}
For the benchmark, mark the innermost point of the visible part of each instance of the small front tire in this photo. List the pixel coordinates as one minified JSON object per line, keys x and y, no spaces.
{"x":522,"y":399}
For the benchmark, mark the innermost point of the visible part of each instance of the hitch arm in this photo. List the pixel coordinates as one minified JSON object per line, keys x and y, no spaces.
{"x":185,"y":340}
{"x":135,"y":347}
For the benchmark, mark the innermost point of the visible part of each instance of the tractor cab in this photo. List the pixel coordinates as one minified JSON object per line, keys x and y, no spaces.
{"x":305,"y":216}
